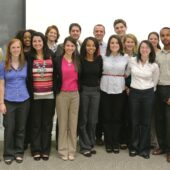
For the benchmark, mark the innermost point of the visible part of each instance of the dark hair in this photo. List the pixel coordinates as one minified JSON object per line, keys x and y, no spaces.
{"x":117,"y":21}
{"x":157,"y":35}
{"x":152,"y":54}
{"x":46,"y":51}
{"x":83,"y":51}
{"x":74,"y":56}
{"x":55,"y":28}
{"x":165,"y":28}
{"x":108,"y":51}
{"x":20,"y":35}
{"x":74,"y":25}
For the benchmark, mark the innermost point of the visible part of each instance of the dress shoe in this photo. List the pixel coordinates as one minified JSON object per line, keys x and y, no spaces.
{"x":37,"y":157}
{"x":45,"y":157}
{"x":87,"y":154}
{"x":158,"y":151}
{"x":116,"y":150}
{"x":168,"y":158}
{"x":109,"y":150}
{"x":19,"y":159}
{"x":71,"y":157}
{"x":132,"y":153}
{"x":8,"y":161}
{"x":145,"y":155}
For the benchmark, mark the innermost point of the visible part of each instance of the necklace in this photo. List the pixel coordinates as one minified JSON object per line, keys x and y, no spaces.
{"x":41,"y":69}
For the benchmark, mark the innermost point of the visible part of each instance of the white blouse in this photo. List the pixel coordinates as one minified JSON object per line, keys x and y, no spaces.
{"x":143,"y":76}
{"x":113,"y":80}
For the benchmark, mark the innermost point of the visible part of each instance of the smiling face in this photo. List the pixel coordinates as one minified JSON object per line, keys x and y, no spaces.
{"x":144,"y":51}
{"x":129,"y":45}
{"x":69,"y":48}
{"x":90,"y":47}
{"x":52,"y":35}
{"x":37,"y":43}
{"x":120,"y":29}
{"x":15,"y":49}
{"x":27,"y":39}
{"x":165,"y":37}
{"x":99,"y":32}
{"x":75,"y":32}
{"x":153,"y":38}
{"x":114,"y":46}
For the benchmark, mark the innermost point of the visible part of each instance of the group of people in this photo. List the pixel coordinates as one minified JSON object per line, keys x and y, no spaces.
{"x":100,"y":91}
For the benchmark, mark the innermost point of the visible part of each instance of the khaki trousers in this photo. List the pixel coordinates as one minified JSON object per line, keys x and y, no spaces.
{"x":67,"y":106}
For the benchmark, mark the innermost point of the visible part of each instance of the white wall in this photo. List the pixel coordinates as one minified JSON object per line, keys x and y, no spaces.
{"x":141,"y":16}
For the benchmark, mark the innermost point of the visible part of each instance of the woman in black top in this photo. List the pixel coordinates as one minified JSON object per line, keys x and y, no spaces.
{"x":91,"y":71}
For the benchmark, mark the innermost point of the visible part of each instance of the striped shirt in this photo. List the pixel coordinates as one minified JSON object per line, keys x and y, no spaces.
{"x":43,"y":79}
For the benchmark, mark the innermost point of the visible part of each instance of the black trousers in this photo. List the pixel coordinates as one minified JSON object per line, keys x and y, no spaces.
{"x":162,"y":118}
{"x":42,"y":112}
{"x":125,"y":128}
{"x":141,"y":106}
{"x":112,"y":107}
{"x":14,"y":123}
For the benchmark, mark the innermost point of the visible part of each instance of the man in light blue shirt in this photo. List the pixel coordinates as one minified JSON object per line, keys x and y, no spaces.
{"x":99,"y":33}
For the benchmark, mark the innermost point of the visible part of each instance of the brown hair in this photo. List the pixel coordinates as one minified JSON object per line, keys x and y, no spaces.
{"x":8,"y":55}
{"x":117,"y":21}
{"x":55,"y":28}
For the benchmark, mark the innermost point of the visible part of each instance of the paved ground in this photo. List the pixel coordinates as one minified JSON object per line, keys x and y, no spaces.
{"x":100,"y":161}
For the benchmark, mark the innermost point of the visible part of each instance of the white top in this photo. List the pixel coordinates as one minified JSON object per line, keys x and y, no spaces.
{"x":102,"y":47}
{"x":143,"y":76}
{"x":113,"y":80}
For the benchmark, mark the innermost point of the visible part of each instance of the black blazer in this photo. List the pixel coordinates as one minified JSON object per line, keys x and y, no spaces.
{"x":30,"y":60}
{"x":58,"y":76}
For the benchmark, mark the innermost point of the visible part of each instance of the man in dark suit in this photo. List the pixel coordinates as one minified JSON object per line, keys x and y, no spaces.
{"x":74,"y":31}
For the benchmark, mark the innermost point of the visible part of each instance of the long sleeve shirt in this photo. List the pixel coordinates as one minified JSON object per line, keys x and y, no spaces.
{"x":113,"y":80}
{"x":163,"y":60}
{"x":143,"y":76}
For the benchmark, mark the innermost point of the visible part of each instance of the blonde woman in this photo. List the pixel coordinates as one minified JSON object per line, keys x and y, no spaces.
{"x":130,"y":44}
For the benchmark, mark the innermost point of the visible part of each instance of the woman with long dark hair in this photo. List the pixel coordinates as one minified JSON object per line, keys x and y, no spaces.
{"x":67,"y":99}
{"x":41,"y":87}
{"x":144,"y":77}
{"x":91,"y":72}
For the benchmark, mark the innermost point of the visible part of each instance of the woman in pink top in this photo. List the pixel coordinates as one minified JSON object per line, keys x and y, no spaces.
{"x":67,"y":99}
